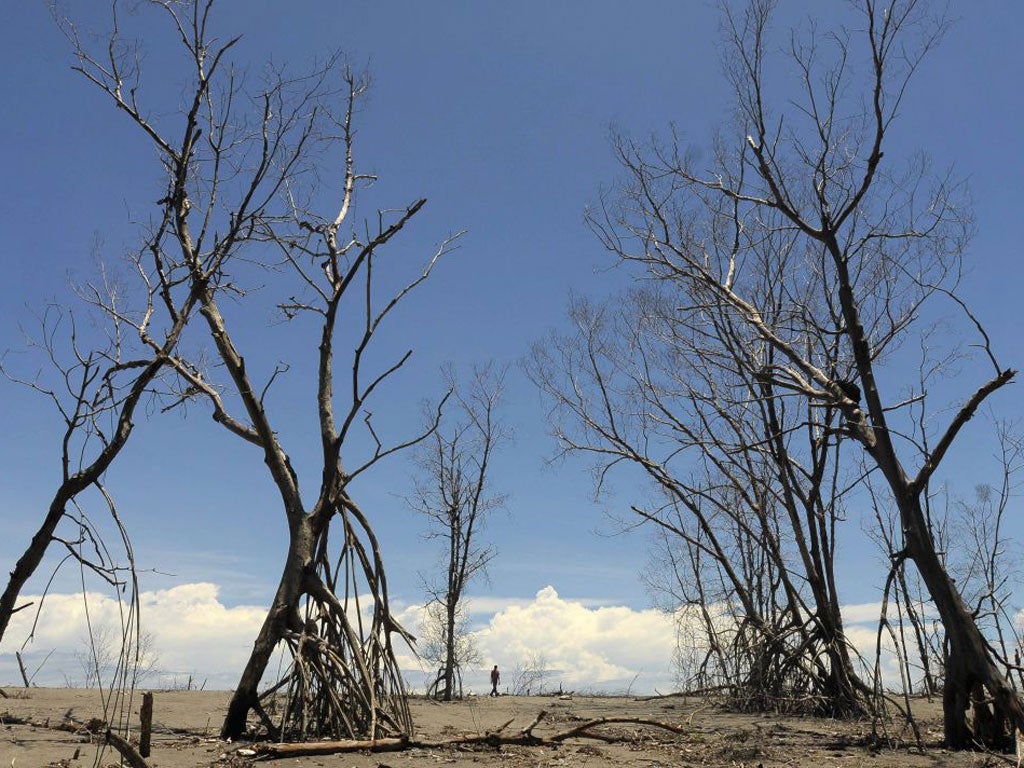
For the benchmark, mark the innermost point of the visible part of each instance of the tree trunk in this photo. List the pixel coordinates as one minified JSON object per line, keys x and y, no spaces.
{"x":283,"y":613}
{"x":32,"y":557}
{"x":74,"y":484}
{"x":845,"y":692}
{"x":449,"y":653}
{"x":970,"y":671}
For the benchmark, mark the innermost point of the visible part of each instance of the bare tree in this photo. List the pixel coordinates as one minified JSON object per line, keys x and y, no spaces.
{"x":749,"y":490}
{"x":242,"y":196}
{"x":530,"y":674}
{"x":103,"y":654}
{"x":985,"y":565}
{"x":981,"y":563}
{"x":878,"y":249}
{"x":96,"y":385}
{"x":435,"y":646}
{"x":98,"y":367}
{"x":455,"y":496}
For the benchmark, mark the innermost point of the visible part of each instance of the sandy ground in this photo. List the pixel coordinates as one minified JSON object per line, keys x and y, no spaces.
{"x":185,"y":724}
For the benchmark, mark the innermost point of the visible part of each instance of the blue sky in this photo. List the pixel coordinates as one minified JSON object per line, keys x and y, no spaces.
{"x":499,"y":114}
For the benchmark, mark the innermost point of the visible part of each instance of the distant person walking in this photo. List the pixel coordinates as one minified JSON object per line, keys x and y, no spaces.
{"x":495,"y":679}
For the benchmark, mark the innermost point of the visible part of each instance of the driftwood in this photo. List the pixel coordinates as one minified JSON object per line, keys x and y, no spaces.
{"x":496,"y":738}
{"x":307,"y":748}
{"x":128,"y":752}
{"x":711,"y":690}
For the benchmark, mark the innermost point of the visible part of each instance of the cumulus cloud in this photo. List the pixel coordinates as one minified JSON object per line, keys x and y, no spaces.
{"x":586,"y":644}
{"x":861,"y":613}
{"x":583,"y":646}
{"x":193,"y":633}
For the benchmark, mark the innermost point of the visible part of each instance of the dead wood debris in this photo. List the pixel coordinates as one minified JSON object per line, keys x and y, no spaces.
{"x":128,"y":752}
{"x":93,"y":728}
{"x":495,"y":739}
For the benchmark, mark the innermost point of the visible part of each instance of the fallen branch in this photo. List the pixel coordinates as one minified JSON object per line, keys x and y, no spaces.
{"x":685,"y":694}
{"x":581,"y":729}
{"x":495,"y":739}
{"x":128,"y":752}
{"x":309,"y":748}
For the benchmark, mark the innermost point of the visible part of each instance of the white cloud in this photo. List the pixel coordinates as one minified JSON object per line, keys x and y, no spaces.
{"x":194,"y":633}
{"x":585,"y":647}
{"x":586,"y":644}
{"x":488,"y":606}
{"x":861,"y":613}
{"x":869,"y":613}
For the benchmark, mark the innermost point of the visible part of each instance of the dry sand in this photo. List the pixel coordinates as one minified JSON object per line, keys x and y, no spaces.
{"x":186,"y":722}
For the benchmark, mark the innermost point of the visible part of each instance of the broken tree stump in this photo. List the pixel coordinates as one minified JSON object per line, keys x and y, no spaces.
{"x":21,"y":666}
{"x":146,"y":719}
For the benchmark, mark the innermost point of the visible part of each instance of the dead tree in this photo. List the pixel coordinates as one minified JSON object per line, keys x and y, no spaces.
{"x":985,"y":566}
{"x":804,"y":172}
{"x":96,"y":385}
{"x":454,"y":495}
{"x":749,"y":480}
{"x":241,"y":198}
